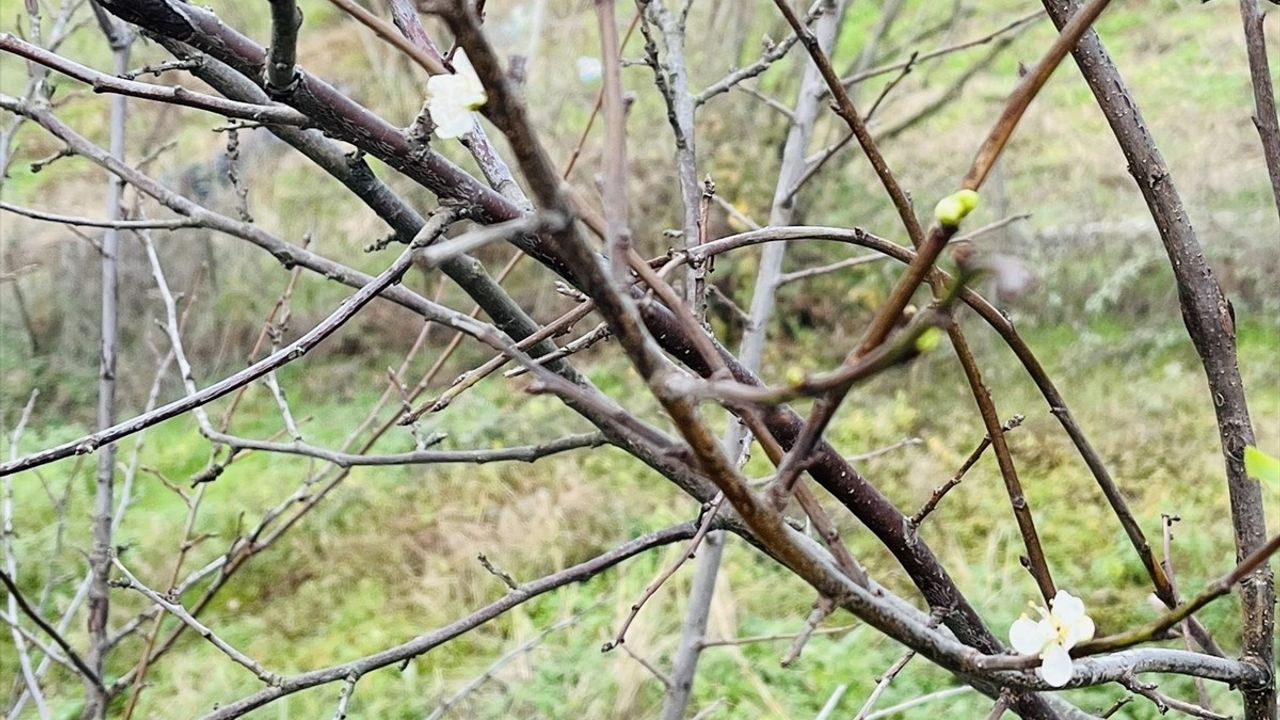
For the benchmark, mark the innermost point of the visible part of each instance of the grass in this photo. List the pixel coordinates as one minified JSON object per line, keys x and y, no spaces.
{"x":392,"y":552}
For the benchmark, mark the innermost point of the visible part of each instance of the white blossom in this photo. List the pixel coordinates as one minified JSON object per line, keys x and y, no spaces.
{"x":454,"y":99}
{"x":1052,"y":636}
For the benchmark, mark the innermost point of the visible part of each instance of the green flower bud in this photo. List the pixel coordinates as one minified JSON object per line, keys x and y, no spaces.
{"x":928,"y":339}
{"x":951,"y":209}
{"x":795,"y":376}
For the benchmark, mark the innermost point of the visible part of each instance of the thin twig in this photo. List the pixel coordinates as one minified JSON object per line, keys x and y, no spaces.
{"x":704,"y":526}
{"x":81,"y":666}
{"x":1164,"y":703}
{"x":189,"y":620}
{"x":172,"y":94}
{"x":942,"y":490}
{"x":1264,"y":93}
{"x":882,"y":684}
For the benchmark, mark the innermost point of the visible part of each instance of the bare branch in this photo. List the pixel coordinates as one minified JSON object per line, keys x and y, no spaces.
{"x":969,"y":462}
{"x":1207,"y":315}
{"x":426,"y":642}
{"x":281,"y":77}
{"x":91,"y":222}
{"x":172,"y":94}
{"x":81,"y":666}
{"x":189,"y":620}
{"x":294,"y":350}
{"x":1264,"y":93}
{"x":1164,"y":703}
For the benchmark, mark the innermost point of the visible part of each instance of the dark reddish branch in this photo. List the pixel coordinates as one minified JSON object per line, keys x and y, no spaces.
{"x":343,"y":118}
{"x":859,"y":496}
{"x":280,"y":72}
{"x":1208,"y":318}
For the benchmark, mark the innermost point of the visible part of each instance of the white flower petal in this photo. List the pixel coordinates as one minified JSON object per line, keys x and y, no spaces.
{"x":1056,"y":669}
{"x":462,"y":64}
{"x":1067,"y":608}
{"x":453,"y":98}
{"x":470,"y":90}
{"x":452,"y":121}
{"x":441,"y":87}
{"x":1079,"y":631}
{"x":1028,"y":636}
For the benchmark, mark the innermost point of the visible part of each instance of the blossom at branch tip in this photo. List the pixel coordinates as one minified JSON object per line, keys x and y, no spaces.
{"x":951,"y":209}
{"x":1051,"y":637}
{"x":454,"y":99}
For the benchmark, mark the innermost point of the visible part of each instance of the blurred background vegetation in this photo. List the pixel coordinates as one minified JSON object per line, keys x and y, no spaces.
{"x":391,"y":553}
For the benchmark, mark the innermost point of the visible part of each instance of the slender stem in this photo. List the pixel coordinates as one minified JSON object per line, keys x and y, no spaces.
{"x":102,"y":548}
{"x":190,"y":621}
{"x":175,"y":95}
{"x":82,"y":667}
{"x":1264,"y":92}
{"x":618,"y":240}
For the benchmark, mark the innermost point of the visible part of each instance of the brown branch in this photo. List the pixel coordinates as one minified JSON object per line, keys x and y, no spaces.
{"x":281,"y":75}
{"x":850,"y":115}
{"x":927,"y":251}
{"x":1157,"y":628}
{"x":1207,"y":316}
{"x":1005,"y":328}
{"x":1264,"y":93}
{"x":918,"y":57}
{"x":431,"y":62}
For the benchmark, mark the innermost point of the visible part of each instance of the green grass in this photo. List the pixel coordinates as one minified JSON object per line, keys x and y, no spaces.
{"x":391,"y":553}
